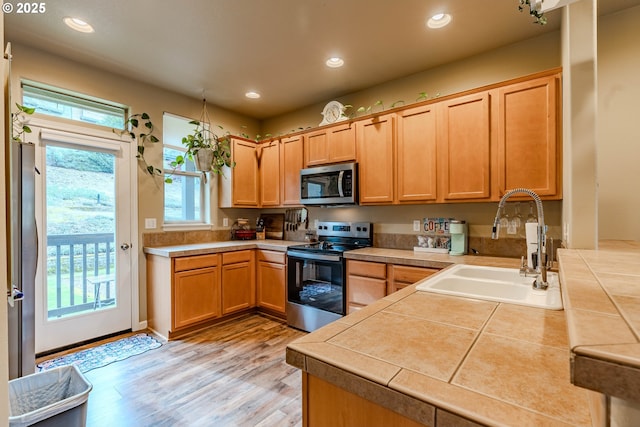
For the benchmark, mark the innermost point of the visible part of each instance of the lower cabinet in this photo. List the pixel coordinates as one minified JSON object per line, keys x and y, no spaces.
{"x":182,"y":292}
{"x":325,"y":404}
{"x":238,"y":281}
{"x":366,"y":283}
{"x":271,"y":281}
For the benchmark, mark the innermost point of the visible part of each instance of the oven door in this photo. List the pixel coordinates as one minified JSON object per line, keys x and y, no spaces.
{"x":315,"y":289}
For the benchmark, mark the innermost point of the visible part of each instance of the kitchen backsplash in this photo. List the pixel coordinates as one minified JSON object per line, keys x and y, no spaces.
{"x":504,"y":247}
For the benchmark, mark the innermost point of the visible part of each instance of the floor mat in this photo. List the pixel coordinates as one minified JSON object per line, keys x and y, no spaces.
{"x":105,"y":354}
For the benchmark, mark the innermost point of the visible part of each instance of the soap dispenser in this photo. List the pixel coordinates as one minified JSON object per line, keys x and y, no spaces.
{"x":458,"y":230}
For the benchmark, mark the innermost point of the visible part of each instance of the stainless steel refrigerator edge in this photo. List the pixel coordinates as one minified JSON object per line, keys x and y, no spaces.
{"x":23,"y":260}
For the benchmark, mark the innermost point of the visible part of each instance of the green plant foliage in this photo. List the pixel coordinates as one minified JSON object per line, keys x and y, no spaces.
{"x":19,"y":122}
{"x":139,"y":128}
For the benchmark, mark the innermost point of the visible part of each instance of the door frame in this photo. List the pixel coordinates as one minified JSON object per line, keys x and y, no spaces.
{"x":87,"y":133}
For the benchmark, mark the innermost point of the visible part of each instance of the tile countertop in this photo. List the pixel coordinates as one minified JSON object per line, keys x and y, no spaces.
{"x":214,"y":247}
{"x":601,"y":292}
{"x":495,"y":364}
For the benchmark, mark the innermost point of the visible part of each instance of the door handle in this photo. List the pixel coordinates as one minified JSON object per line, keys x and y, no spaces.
{"x":124,"y":246}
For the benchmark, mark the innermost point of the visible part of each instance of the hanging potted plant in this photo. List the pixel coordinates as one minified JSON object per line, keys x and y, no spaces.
{"x":209,"y":152}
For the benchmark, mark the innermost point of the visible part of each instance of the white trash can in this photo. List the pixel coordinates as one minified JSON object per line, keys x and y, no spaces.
{"x":53,"y":398}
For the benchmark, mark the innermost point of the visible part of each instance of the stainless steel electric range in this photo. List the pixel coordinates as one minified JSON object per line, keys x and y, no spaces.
{"x":316,"y":274}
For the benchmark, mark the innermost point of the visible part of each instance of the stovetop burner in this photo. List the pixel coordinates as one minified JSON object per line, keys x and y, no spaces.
{"x":338,"y":237}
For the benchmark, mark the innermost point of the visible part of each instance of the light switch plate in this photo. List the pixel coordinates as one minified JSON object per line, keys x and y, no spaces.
{"x":150,"y":223}
{"x":225,"y":222}
{"x":416,"y":225}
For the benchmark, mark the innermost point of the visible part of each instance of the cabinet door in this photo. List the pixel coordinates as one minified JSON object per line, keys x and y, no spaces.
{"x":316,"y":148}
{"x":269,"y":173}
{"x":292,"y":160}
{"x":245,"y":174}
{"x":375,"y":138}
{"x":342,"y":143}
{"x":330,"y":145}
{"x":416,"y":159}
{"x":528,"y":149}
{"x":196,"y":296}
{"x":272,"y":286}
{"x":238,"y":284}
{"x":401,"y":276}
{"x":366,"y":283}
{"x":464,"y":152}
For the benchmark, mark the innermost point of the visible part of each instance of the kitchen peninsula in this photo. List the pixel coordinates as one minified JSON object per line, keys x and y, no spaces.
{"x":415,"y":358}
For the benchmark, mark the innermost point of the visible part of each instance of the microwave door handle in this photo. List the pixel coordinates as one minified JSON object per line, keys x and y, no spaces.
{"x":340,"y":179}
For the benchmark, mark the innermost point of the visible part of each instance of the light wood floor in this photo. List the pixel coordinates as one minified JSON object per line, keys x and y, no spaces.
{"x":231,"y":374}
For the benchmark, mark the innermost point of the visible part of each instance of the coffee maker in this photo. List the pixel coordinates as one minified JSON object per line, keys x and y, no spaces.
{"x":458,"y":230}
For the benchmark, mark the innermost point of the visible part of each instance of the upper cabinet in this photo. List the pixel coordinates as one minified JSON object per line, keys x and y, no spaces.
{"x":239,"y":185}
{"x":269,"y":166}
{"x":333,"y":144}
{"x":416,"y":155}
{"x":464,"y":148}
{"x":470,"y":147}
{"x":376,"y":144}
{"x":529,"y":154}
{"x":291,"y":161}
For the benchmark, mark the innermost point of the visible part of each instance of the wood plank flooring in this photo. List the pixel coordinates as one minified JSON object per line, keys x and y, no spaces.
{"x":231,"y":374}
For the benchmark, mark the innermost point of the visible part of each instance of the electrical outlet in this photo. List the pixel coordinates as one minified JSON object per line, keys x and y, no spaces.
{"x":416,"y":225}
{"x":225,"y":222}
{"x":150,"y":223}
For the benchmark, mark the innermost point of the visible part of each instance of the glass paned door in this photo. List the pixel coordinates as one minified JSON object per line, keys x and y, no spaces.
{"x":80,"y":231}
{"x":84,"y":272}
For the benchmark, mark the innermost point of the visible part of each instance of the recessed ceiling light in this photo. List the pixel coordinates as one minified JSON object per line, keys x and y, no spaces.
{"x":335,"y":62}
{"x":78,"y":25}
{"x":252,"y":95}
{"x":439,"y":20}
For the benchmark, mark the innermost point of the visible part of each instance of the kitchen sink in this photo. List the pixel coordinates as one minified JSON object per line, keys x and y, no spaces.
{"x":494,"y":284}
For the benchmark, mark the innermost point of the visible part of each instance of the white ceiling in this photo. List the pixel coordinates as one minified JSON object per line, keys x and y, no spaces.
{"x":225,"y":48}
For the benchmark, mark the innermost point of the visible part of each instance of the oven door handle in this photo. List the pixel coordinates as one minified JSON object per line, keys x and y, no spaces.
{"x":315,"y":256}
{"x":340,"y":179}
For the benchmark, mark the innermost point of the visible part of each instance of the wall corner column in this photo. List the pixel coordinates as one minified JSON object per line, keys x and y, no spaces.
{"x":579,"y":63}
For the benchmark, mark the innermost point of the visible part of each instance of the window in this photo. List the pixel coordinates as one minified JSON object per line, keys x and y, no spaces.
{"x":72,"y":105}
{"x":185,"y":198}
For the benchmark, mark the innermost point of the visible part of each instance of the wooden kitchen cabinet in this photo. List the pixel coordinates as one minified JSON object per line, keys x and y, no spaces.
{"x":401,"y":276}
{"x":182,"y":292}
{"x":238,"y":281}
{"x":333,"y":144}
{"x":416,"y":155}
{"x":291,"y":162}
{"x":376,"y":145}
{"x":366,"y":283}
{"x":325,"y":404}
{"x":529,"y":154}
{"x":238,"y":187}
{"x":464,"y":148}
{"x":269,"y":167}
{"x":271,"y":282}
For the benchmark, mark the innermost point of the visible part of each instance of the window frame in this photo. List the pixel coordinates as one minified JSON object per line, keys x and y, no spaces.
{"x":204,"y":222}
{"x":80,"y":103}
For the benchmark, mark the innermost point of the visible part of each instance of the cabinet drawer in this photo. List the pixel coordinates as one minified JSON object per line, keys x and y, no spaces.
{"x":367,"y":269}
{"x":272,"y":256}
{"x":233,"y":257}
{"x":410,"y":275}
{"x":193,"y":262}
{"x":364,"y":290}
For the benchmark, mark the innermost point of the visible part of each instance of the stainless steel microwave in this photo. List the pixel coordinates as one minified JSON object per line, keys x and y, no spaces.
{"x":329,"y":185}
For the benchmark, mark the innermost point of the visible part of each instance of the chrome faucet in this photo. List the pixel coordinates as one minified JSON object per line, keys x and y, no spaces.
{"x":541,"y":265}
